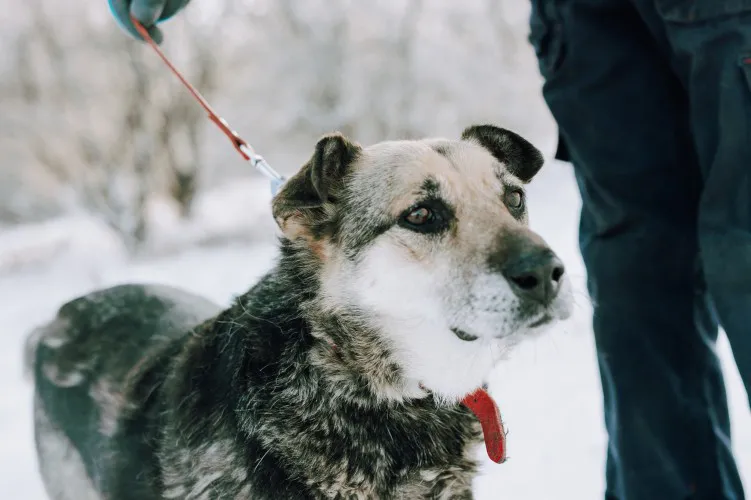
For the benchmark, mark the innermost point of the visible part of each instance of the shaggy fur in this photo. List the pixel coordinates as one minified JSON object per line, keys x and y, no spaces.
{"x":339,"y":374}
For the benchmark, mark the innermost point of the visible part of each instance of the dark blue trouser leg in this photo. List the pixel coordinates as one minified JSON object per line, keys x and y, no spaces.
{"x":632,"y":122}
{"x":712,"y":53}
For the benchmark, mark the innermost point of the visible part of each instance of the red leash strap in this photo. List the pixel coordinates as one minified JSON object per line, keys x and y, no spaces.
{"x":237,"y":141}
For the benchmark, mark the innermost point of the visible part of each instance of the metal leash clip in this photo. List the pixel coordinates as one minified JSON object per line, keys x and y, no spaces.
{"x":245,"y":149}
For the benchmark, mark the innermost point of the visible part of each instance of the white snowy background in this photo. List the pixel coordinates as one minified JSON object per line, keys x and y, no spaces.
{"x":109,"y":175}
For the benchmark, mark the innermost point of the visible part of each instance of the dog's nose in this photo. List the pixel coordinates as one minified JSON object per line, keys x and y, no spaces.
{"x":535,"y":274}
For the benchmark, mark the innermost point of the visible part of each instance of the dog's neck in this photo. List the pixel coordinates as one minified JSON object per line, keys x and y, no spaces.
{"x":285,"y":319}
{"x":349,"y":394}
{"x":349,"y":353}
{"x":352,"y":357}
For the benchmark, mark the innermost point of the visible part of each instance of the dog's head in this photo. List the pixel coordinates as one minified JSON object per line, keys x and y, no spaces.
{"x":429,"y":241}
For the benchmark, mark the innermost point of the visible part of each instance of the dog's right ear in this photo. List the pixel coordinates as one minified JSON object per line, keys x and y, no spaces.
{"x":309,"y":197}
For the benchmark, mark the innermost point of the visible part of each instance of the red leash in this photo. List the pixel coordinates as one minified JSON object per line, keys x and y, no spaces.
{"x":242,"y":146}
{"x":480,"y":402}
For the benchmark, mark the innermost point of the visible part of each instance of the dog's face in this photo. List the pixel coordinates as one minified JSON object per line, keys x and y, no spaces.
{"x":428,"y":240}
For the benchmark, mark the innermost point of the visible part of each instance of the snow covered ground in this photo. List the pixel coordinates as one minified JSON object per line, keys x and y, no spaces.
{"x":548,"y":391}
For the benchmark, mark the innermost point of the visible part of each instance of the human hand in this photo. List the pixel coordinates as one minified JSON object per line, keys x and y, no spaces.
{"x":148,"y":12}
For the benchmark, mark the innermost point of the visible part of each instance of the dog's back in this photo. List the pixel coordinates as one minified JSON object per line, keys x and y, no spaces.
{"x":95,"y":367}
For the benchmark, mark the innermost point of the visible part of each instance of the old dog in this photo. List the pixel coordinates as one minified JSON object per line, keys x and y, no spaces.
{"x":406,"y":271}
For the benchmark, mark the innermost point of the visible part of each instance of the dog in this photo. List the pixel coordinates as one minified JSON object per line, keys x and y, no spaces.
{"x":406,"y":272}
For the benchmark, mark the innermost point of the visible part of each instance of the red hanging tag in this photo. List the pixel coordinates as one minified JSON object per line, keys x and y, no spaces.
{"x":486,"y":411}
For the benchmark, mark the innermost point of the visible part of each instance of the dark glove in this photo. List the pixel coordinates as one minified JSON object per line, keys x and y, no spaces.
{"x":148,"y":12}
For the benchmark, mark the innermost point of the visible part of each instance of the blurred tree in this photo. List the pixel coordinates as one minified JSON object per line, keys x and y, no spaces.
{"x":112,"y":139}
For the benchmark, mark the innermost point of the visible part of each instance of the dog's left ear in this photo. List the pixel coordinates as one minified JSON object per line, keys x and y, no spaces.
{"x":306,"y":199}
{"x":520,"y":157}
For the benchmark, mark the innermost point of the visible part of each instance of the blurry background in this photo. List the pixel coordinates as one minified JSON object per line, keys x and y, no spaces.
{"x":110,"y":172}
{"x":92,"y":123}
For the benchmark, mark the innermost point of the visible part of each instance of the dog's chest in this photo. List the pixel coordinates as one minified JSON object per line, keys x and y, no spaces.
{"x":219,"y":468}
{"x":451,"y":482}
{"x":399,"y":461}
{"x":447,"y":483}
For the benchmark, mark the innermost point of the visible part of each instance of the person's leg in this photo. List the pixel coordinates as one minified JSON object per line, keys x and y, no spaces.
{"x":624,"y":118}
{"x":711,"y":41}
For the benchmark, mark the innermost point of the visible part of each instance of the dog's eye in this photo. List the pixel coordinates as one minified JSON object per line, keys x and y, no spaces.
{"x":427,"y":217}
{"x":514,"y":198}
{"x":419,"y":216}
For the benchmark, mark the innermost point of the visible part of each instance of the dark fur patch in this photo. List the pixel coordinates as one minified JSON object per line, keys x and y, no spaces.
{"x":430,"y":188}
{"x":442,"y":150}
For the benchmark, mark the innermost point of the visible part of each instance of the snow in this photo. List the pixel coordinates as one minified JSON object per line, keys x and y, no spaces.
{"x":548,"y":392}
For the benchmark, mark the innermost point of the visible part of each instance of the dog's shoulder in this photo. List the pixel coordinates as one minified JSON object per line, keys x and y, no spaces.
{"x":234,"y":353}
{"x":219,"y":389}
